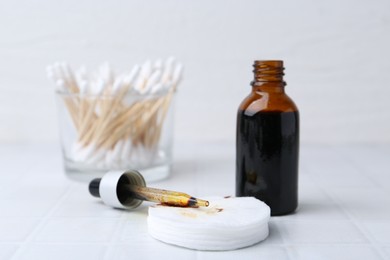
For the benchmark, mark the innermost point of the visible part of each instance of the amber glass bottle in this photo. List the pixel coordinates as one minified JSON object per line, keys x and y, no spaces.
{"x":267,"y":141}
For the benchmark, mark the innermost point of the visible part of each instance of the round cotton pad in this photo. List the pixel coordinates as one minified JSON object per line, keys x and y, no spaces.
{"x":227,"y":224}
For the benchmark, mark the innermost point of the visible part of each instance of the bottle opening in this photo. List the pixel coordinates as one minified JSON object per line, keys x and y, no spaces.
{"x":268,"y":70}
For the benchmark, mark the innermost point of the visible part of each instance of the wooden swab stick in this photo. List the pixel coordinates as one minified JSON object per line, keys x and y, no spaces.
{"x":101,"y":123}
{"x":125,"y":116}
{"x":104,"y":121}
{"x":155,"y":139}
{"x":116,"y":135}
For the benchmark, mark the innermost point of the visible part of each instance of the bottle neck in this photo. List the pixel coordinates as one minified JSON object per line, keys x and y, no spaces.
{"x":268,"y":76}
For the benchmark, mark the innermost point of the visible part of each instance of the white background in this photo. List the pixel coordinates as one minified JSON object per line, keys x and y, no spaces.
{"x":336,"y":56}
{"x":337,"y":62}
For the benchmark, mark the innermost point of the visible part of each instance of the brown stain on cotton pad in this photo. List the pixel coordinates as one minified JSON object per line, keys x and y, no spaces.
{"x":188,"y":214}
{"x":195,"y":213}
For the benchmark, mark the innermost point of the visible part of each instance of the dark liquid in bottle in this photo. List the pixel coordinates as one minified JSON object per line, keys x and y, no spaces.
{"x":267,"y":158}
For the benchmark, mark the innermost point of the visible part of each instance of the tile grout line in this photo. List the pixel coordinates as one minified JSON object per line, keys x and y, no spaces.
{"x":41,"y":224}
{"x":352,"y":219}
{"x":284,"y":245}
{"x":351,"y":215}
{"x":115,"y":236}
{"x":360,"y":170}
{"x":366,"y":234}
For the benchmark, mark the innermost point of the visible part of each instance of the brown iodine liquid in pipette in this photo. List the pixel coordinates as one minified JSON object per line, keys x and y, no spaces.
{"x":125,"y":190}
{"x":165,"y":197}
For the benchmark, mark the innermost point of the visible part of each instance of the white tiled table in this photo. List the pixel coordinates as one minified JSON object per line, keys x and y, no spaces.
{"x":344,"y":208}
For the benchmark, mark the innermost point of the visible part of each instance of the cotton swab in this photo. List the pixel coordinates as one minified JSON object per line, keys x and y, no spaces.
{"x":118,"y":117}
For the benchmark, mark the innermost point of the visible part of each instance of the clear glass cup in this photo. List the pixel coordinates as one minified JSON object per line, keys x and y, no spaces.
{"x":103,"y":132}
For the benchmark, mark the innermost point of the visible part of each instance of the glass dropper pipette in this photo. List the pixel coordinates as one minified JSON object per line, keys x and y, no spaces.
{"x":165,"y":197}
{"x":126,"y":191}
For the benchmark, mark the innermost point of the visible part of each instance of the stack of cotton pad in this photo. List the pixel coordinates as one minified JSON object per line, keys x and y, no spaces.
{"x":227,"y":224}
